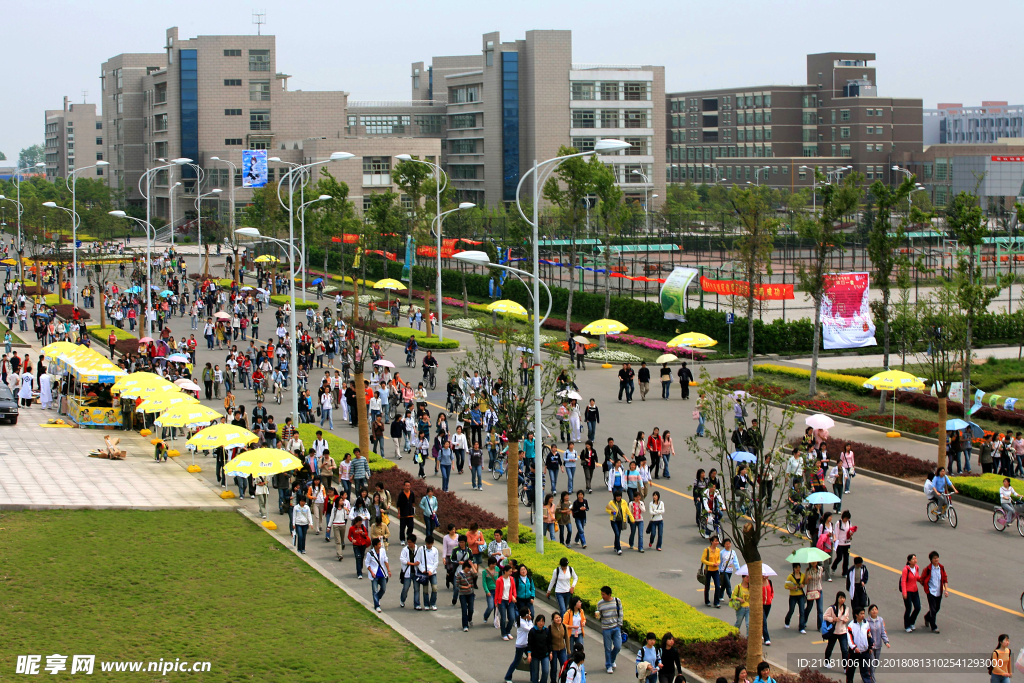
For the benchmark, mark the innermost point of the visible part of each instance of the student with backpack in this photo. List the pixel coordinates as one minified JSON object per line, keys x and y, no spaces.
{"x":609,"y":611}
{"x":573,"y":670}
{"x":837,"y":619}
{"x":563,"y":583}
{"x":648,"y":660}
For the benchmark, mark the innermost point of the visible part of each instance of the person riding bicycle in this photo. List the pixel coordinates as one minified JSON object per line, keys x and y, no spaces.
{"x":943,"y":488}
{"x":742,"y":486}
{"x":278,"y":379}
{"x":429,"y":362}
{"x":713,"y":506}
{"x":1006,"y":496}
{"x":258,"y":379}
{"x":411,"y":347}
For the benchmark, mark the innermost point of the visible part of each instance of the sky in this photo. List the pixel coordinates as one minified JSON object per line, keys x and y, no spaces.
{"x":940,"y":51}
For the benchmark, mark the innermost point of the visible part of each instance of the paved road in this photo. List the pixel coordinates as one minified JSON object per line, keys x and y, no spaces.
{"x":891,"y":524}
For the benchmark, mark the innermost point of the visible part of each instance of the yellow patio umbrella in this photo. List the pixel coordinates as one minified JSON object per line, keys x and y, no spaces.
{"x":160,"y":403}
{"x":389,"y":283}
{"x":692,"y":339}
{"x":59,"y":347}
{"x":262,"y":462}
{"x":149,"y":389}
{"x":137,"y":379}
{"x":222,"y":436}
{"x":187,"y":415}
{"x":605,"y":326}
{"x":506,"y":306}
{"x":266,"y":258}
{"x":892,"y":380}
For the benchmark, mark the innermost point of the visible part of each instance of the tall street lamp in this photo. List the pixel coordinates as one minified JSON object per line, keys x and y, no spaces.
{"x":75,"y":220}
{"x":72,"y":184}
{"x":290,"y":208}
{"x":303,"y":179}
{"x":147,"y":178}
{"x":170,"y":206}
{"x":21,"y":210}
{"x":150,"y":237}
{"x":300,"y":260}
{"x":200,"y":196}
{"x":18,"y":207}
{"x":548,"y":166}
{"x":302,"y":224}
{"x":231,"y":195}
{"x":647,"y":184}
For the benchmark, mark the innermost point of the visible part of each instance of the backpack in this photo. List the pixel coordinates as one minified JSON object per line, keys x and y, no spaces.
{"x":563,"y":675}
{"x":825,"y":541}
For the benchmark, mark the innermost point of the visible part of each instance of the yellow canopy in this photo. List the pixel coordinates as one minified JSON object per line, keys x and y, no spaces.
{"x":262,"y":461}
{"x":266,"y":258}
{"x":605,"y":326}
{"x":506,"y":306}
{"x":150,"y":389}
{"x":389,"y":283}
{"x":137,"y":379}
{"x":891,"y":380}
{"x":187,"y":415}
{"x":57,"y":348}
{"x":222,"y":435}
{"x":692,"y":339}
{"x":158,"y":404}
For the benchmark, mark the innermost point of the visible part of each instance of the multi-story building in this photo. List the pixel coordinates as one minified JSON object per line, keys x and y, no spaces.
{"x":74,"y":138}
{"x":773,"y":133}
{"x":955,"y":123}
{"x":518,"y":101}
{"x":215,"y":96}
{"x":994,"y":170}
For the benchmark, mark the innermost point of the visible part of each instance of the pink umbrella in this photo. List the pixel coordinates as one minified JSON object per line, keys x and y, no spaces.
{"x":146,"y":340}
{"x":819,"y":421}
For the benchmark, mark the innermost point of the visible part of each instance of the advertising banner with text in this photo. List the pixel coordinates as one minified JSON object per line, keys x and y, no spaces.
{"x":741,"y":288}
{"x":845,"y":316}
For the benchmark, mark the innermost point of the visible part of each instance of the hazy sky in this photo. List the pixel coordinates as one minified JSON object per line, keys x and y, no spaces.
{"x":938,"y":50}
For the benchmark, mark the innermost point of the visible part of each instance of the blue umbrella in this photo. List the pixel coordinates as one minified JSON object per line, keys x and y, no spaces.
{"x":317,"y":281}
{"x":743,"y":456}
{"x":166,"y":293}
{"x":823,"y":498}
{"x":135,"y":290}
{"x":956,"y":424}
{"x":976,"y":431}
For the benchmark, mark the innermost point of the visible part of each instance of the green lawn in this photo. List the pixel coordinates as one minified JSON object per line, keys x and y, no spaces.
{"x":134,"y":585}
{"x":14,"y":335}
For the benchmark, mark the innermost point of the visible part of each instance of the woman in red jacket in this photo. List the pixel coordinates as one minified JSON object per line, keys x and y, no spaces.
{"x":505,"y":600}
{"x":654,"y":449}
{"x":360,"y":540}
{"x":909,"y":578}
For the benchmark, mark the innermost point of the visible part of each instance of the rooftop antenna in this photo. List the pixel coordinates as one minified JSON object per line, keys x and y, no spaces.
{"x":259,"y":18}
{"x":85,"y":94}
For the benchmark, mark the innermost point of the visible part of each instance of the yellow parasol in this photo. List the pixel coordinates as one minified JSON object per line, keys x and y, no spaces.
{"x":262,"y":461}
{"x":266,"y":258}
{"x":891,"y":380}
{"x":186,"y":415}
{"x":691,"y":339}
{"x":506,"y":306}
{"x":605,"y":326}
{"x":222,"y":436}
{"x":389,"y":283}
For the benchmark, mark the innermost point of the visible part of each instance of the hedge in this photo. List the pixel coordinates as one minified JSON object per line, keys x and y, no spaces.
{"x":403,"y":333}
{"x":282,"y":299}
{"x":644,"y":608}
{"x":984,"y":487}
{"x":850,"y":382}
{"x":339,"y":447}
{"x":126,"y":341}
{"x":451,"y":509}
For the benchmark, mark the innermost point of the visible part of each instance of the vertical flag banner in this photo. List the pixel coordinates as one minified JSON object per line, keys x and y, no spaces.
{"x":673,"y":292}
{"x":254,"y":168}
{"x":845,"y":316}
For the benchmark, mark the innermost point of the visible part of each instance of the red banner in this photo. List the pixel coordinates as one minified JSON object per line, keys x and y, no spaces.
{"x":348,"y":239}
{"x":742,"y":288}
{"x":390,"y":256}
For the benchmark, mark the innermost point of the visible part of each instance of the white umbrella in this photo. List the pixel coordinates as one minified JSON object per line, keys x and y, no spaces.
{"x":178,"y":358}
{"x":187,"y":384}
{"x":765,"y":570}
{"x":570,"y":394}
{"x":581,"y":339}
{"x":738,"y":394}
{"x":820,"y":421}
{"x":246,"y":288}
{"x":384,"y":363}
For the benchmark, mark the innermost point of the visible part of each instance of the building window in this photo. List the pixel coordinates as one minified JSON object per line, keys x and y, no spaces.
{"x":259,"y":91}
{"x":160,"y":122}
{"x":376,"y":171}
{"x":636,"y":119}
{"x":844,"y":150}
{"x":635,"y":91}
{"x":232,"y":142}
{"x":844,"y":133}
{"x":429,"y":123}
{"x":99,"y":141}
{"x":99,"y":125}
{"x":384,"y":125}
{"x":462,"y":121}
{"x":583,"y":118}
{"x":629,"y":176}
{"x":810,"y":150}
{"x":941,"y":171}
{"x":461,"y":95}
{"x":259,"y":119}
{"x":609,"y":118}
{"x":227,"y":81}
{"x":459,"y":146}
{"x":810,"y":101}
{"x":638,"y":146}
{"x":927,"y":170}
{"x":259,"y":60}
{"x":99,"y":156}
{"x":259,"y":144}
{"x":232,"y":53}
{"x":609,"y":91}
{"x":583,"y":144}
{"x":464,"y":172}
{"x":160,"y":150}
{"x":582,"y":91}
{"x":232,"y":112}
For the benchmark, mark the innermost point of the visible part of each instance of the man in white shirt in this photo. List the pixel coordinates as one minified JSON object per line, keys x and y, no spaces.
{"x":410,"y":568}
{"x":859,"y":634}
{"x":429,"y":560}
{"x":379,"y":570}
{"x":337,"y":522}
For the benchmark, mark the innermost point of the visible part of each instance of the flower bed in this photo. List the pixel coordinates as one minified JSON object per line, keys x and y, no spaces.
{"x":339,"y":447}
{"x":851,"y":382}
{"x":881,"y":460}
{"x":403,"y":334}
{"x":126,"y":341}
{"x":614,"y":356}
{"x":840,"y":408}
{"x":450,"y":510}
{"x":463,"y":323}
{"x":757,"y":388}
{"x":282,"y":299}
{"x":903,"y":423}
{"x":527,"y":338}
{"x":927,"y":401}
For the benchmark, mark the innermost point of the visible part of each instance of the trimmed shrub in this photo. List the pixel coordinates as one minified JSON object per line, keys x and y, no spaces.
{"x":984,"y":487}
{"x":450,"y":508}
{"x":403,"y":333}
{"x":282,"y":299}
{"x":126,"y":341}
{"x":66,"y":311}
{"x":881,"y":460}
{"x":849,"y":382}
{"x":339,"y":447}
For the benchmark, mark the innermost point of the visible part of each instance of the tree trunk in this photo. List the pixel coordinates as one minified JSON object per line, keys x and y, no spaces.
{"x":885,"y":328}
{"x":206,"y":261}
{"x":967,"y":366}
{"x":755,"y":640}
{"x":465,"y":294}
{"x":60,"y":289}
{"x":750,"y":329}
{"x":237,"y":265}
{"x":364,"y":428}
{"x":572,"y":285}
{"x":103,"y":308}
{"x":813,"y":387}
{"x":941,"y":459}
{"x":513,"y":491}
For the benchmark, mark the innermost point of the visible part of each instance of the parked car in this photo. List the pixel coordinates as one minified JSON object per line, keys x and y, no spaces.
{"x":8,"y":405}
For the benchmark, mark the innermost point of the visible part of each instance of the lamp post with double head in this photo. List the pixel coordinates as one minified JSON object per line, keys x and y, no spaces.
{"x":295,"y":261}
{"x":147,"y":179}
{"x":200,"y":196}
{"x":21,"y":210}
{"x":231,"y":195}
{"x":72,"y":184}
{"x":647,"y":184}
{"x":547,"y":167}
{"x":150,"y":237}
{"x":170,"y":208}
{"x":75,"y":220}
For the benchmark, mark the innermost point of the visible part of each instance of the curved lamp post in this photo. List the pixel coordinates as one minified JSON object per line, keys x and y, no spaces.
{"x":150,"y":236}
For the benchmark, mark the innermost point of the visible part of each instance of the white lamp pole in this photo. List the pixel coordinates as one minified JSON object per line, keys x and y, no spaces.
{"x":73,"y":183}
{"x":200,"y":196}
{"x":147,"y":178}
{"x":21,"y":210}
{"x":231,"y":195}
{"x":607,"y":146}
{"x":302,"y":222}
{"x":647,"y":184}
{"x":170,"y":206}
{"x":74,"y":229}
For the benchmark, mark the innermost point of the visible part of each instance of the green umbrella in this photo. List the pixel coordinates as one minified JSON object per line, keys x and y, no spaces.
{"x":805,"y":555}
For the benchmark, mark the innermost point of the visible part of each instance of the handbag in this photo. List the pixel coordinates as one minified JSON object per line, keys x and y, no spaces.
{"x":696,"y":414}
{"x":826,"y":628}
{"x":702,"y":574}
{"x":813,"y":595}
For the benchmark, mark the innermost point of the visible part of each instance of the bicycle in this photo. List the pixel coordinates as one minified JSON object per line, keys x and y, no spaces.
{"x":526,"y":498}
{"x":706,"y":529}
{"x":796,"y":522}
{"x":278,"y":392}
{"x":410,"y":359}
{"x":1001,"y":518}
{"x":500,"y":465}
{"x":258,"y":387}
{"x":934,"y":514}
{"x":431,"y":376}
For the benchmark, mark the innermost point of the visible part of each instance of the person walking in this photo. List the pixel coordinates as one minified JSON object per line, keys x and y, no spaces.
{"x":588,"y":460}
{"x":575,"y":619}
{"x":838,"y":618}
{"x":812,"y":592}
{"x":710,"y":559}
{"x":359,"y":537}
{"x":301,"y":519}
{"x":666,"y":380}
{"x":859,"y":648}
{"x":910,"y":576}
{"x":410,"y":563}
{"x":668,"y":449}
{"x":685,"y":377}
{"x":1001,"y":669}
{"x":465,"y":580}
{"x":429,"y":507}
{"x":797,"y":599}
{"x":379,"y":570}
{"x":656,"y":525}
{"x":505,"y":599}
{"x":609,"y":612}
{"x":563,"y":584}
{"x":935,"y":581}
{"x":644,"y":378}
{"x":337,"y":521}
{"x":878,"y":634}
{"x":843,"y":533}
{"x":729,"y":565}
{"x":524,"y":625}
{"x":592,"y":416}
{"x":262,"y":493}
{"x":739,"y":600}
